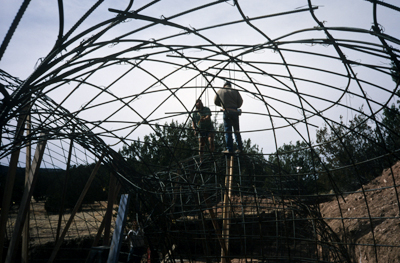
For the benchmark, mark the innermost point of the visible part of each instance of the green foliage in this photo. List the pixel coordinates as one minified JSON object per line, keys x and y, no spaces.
{"x":352,"y":149}
{"x":49,"y":186}
{"x":173,"y":144}
{"x":342,"y":159}
{"x":293,"y":169}
{"x":19,"y":182}
{"x":167,"y":146}
{"x":391,"y":122}
{"x":394,"y":71}
{"x":46,"y":180}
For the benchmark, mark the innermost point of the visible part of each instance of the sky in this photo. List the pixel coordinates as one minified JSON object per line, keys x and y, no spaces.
{"x":166,"y":82}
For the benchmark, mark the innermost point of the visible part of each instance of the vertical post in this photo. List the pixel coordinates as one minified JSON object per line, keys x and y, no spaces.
{"x":216,"y":226}
{"x":108,"y":215}
{"x":103,"y":222}
{"x":25,"y":231}
{"x":12,"y":169}
{"x":64,"y":192}
{"x":25,"y":202}
{"x":226,"y":209}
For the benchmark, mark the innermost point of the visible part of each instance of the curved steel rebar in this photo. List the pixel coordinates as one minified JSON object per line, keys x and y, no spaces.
{"x":108,"y":83}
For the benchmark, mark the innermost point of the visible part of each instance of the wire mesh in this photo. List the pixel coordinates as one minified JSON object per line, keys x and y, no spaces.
{"x":313,"y":78}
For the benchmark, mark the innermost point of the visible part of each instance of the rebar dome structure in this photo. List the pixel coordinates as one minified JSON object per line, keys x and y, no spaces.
{"x":323,"y":76}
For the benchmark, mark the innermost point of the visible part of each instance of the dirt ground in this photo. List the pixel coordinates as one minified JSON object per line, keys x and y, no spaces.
{"x":43,"y":226}
{"x":368,"y":221}
{"x":371,"y":213}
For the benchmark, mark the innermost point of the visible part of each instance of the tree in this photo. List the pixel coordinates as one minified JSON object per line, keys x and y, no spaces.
{"x":349,"y":152}
{"x":168,"y":145}
{"x":174,"y":145}
{"x":171,"y":144}
{"x":395,"y":73}
{"x":293,"y":169}
{"x":77,"y":179}
{"x":391,"y":122}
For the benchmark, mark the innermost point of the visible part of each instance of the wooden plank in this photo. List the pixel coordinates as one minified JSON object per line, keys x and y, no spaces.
{"x":101,"y":228}
{"x":110,"y":204}
{"x":226,"y":210}
{"x":216,"y":228}
{"x":119,"y":229}
{"x":25,"y":231}
{"x":25,"y":202}
{"x":100,"y":231}
{"x":64,"y":192}
{"x":74,"y":211}
{"x":9,"y":185}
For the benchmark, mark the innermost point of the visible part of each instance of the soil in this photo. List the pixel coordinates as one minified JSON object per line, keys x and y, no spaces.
{"x":369,"y":219}
{"x":43,"y":231}
{"x":43,"y":226}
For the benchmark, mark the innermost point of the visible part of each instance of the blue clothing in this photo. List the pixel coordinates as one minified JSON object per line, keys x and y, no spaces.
{"x":231,"y":120}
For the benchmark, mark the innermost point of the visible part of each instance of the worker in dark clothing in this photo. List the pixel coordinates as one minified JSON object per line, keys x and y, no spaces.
{"x":203,"y":127}
{"x":230,"y":101}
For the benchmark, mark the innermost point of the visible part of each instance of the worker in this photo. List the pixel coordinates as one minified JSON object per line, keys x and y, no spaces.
{"x":230,"y":101}
{"x":137,"y":244}
{"x":203,"y":127}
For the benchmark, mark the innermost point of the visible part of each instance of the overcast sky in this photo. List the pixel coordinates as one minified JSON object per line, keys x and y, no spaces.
{"x":265,"y":83}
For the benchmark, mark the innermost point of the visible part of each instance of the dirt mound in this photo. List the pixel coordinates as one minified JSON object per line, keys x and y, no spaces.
{"x":369,"y":219}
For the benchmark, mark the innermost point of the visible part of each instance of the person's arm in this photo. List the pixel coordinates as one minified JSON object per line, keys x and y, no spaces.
{"x":194,"y":124}
{"x":205,"y":118}
{"x":239,"y":100}
{"x":129,"y":235}
{"x":217,"y":100}
{"x":207,"y":115}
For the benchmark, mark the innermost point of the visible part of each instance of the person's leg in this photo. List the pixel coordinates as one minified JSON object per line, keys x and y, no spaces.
{"x":137,"y":256}
{"x":130,"y":256}
{"x":228,"y":132}
{"x":202,"y":142}
{"x":236,"y":130}
{"x":211,"y":141}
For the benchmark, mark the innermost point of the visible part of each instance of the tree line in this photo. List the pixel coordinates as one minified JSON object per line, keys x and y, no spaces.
{"x":342,"y":158}
{"x":50,"y":186}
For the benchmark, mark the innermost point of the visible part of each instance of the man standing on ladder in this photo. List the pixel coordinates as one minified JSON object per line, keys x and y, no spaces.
{"x":203,"y":127}
{"x":230,"y":101}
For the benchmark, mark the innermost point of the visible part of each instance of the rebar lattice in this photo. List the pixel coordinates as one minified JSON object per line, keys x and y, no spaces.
{"x":118,"y":72}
